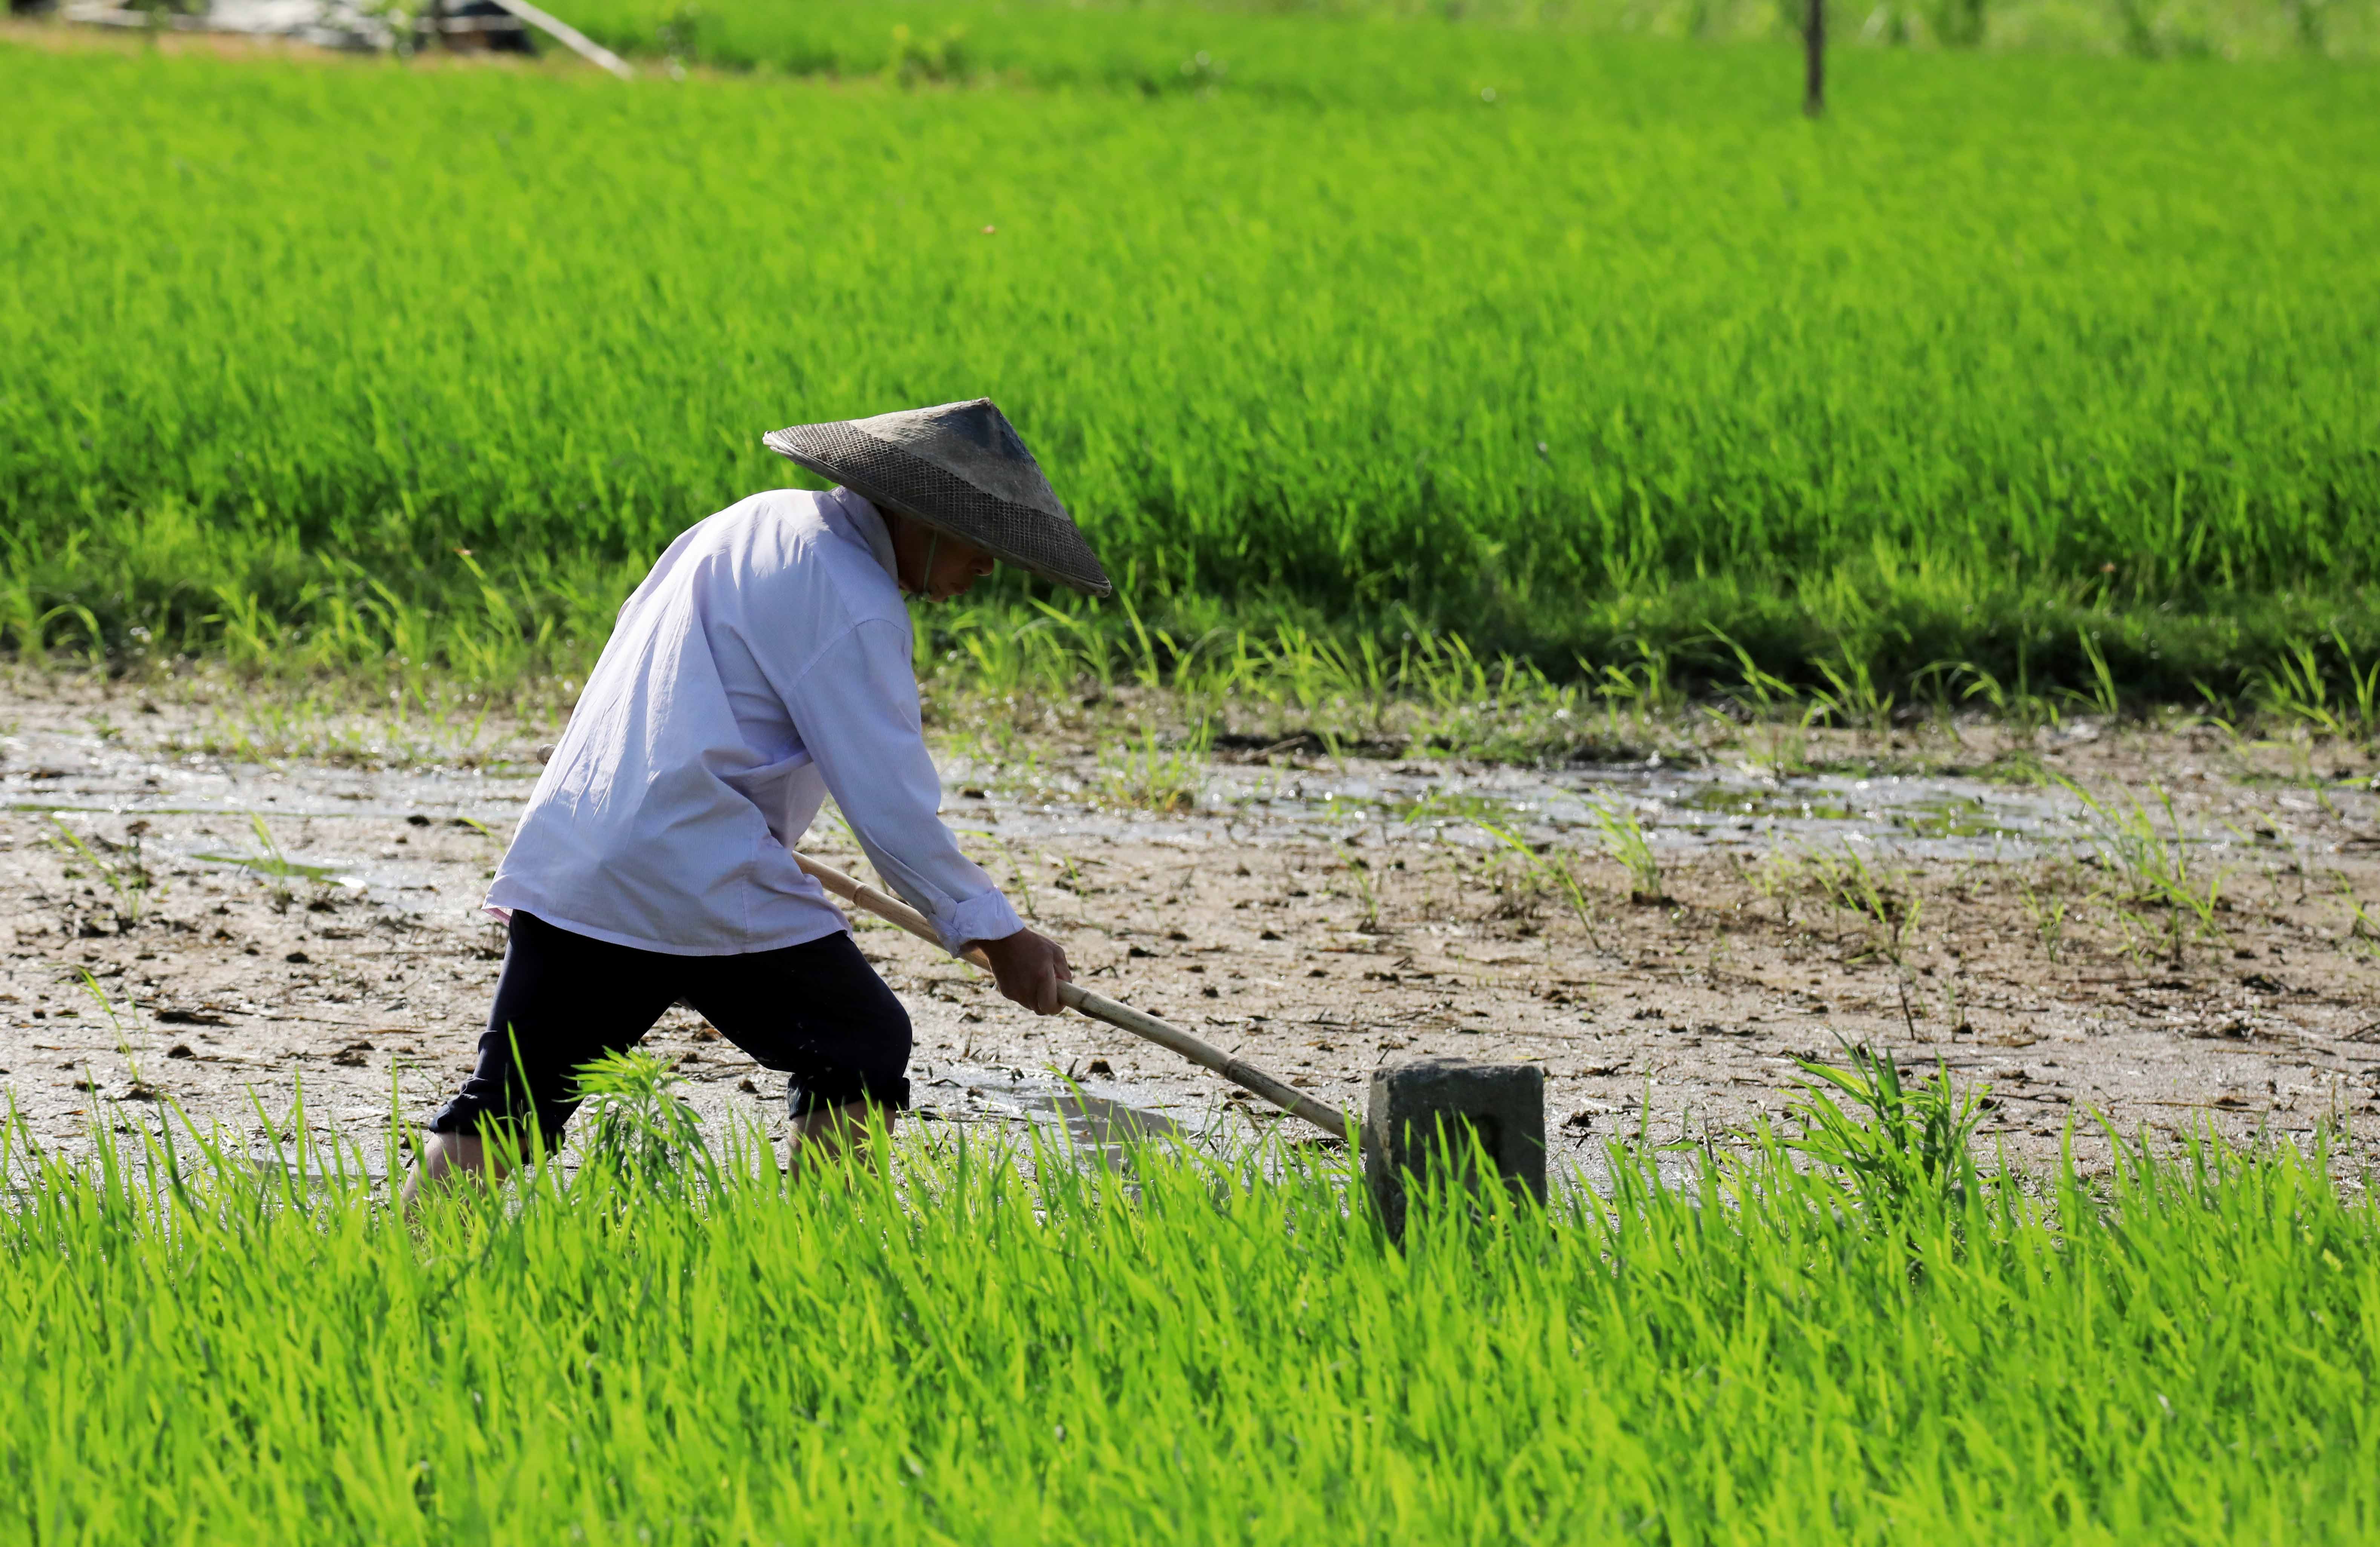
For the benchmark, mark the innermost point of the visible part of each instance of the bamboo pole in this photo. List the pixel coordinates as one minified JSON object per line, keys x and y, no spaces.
{"x":1098,"y":1006}
{"x":1814,"y":58}
{"x":570,"y":36}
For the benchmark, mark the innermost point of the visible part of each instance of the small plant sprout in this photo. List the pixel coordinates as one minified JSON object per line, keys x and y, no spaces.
{"x":2048,"y":916}
{"x":123,"y":1047}
{"x":1851,"y":696}
{"x":1778,"y":875}
{"x":1541,"y":864}
{"x":1851,"y":885}
{"x":2363,"y":936}
{"x":1646,"y":686}
{"x":127,"y":878}
{"x":2019,"y":707}
{"x":1144,"y":772}
{"x":1015,"y":867}
{"x":2297,"y":688}
{"x":1016,"y":870}
{"x":2100,"y":696}
{"x":275,"y":864}
{"x":1367,"y":892}
{"x":1625,"y":840}
{"x":1765,"y":698}
{"x":2153,"y":864}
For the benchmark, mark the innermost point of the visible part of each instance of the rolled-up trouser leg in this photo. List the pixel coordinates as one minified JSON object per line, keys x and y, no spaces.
{"x":817,"y":1012}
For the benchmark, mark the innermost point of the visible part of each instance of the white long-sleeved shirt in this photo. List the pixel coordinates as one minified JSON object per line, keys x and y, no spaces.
{"x":763,"y":666}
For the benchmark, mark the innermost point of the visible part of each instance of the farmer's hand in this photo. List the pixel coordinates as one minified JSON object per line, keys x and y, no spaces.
{"x":1029,"y":967}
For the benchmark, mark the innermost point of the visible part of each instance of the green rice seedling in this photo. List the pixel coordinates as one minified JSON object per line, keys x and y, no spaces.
{"x":2296,"y":688}
{"x":2017,"y":706}
{"x":2362,"y":688}
{"x":640,"y":1129}
{"x":1144,"y":771}
{"x":33,"y":638}
{"x":1550,"y":869}
{"x":1624,"y":838}
{"x":1899,"y":1147}
{"x":1645,"y":686}
{"x":1776,"y":715}
{"x":1015,"y":869}
{"x":1851,"y":696}
{"x":999,"y":1343}
{"x":1447,"y":677}
{"x":1505,"y":710}
{"x":1778,"y":877}
{"x":2048,"y":916}
{"x":1940,"y":685}
{"x":2363,"y":936}
{"x":128,"y":879}
{"x":2152,"y":864}
{"x":2098,"y":694}
{"x":123,"y":1042}
{"x":1822,"y":410}
{"x":1016,"y":660}
{"x":272,"y":863}
{"x":1367,"y":890}
{"x":1852,"y":886}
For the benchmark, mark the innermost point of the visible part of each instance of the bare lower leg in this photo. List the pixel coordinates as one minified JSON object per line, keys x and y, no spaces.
{"x":824,"y":1134}
{"x":447,"y":1159}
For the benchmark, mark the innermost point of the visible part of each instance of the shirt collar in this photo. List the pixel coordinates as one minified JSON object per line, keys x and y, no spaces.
{"x":867,"y":526}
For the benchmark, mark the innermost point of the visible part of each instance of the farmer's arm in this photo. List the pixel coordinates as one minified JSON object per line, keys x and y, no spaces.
{"x":856,"y":709}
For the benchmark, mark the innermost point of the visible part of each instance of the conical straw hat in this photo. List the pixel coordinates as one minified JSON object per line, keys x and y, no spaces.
{"x":960,"y":469}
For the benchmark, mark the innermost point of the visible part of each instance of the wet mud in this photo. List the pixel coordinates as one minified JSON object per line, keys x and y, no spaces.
{"x":198,"y":920}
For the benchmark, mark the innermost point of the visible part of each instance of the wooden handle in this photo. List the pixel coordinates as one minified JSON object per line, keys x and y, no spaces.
{"x":1098,"y":1006}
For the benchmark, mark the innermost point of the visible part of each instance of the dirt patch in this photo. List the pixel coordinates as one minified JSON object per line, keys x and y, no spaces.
{"x":196,"y":922}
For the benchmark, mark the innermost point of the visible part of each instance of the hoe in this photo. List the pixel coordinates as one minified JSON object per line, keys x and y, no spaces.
{"x":1429,"y":1106}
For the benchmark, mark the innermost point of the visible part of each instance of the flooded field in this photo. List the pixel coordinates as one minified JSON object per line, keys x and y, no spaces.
{"x":2165,"y":926}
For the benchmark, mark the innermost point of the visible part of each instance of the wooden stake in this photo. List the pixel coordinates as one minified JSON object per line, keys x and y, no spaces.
{"x":1813,"y":60}
{"x":1098,"y":1006}
{"x":570,"y":38}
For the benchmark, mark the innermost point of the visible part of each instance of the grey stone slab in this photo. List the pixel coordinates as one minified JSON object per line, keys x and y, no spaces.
{"x":1428,"y":1112}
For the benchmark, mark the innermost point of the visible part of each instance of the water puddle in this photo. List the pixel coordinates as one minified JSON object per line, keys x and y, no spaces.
{"x":1676,"y":809}
{"x":963,"y":1092}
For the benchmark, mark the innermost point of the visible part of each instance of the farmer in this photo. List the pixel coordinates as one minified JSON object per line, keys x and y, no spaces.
{"x":763,"y":666}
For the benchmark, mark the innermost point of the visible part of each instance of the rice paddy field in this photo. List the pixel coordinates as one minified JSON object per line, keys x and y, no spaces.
{"x":1855,"y":1343}
{"x":1573,"y":346}
{"x":1639,"y":580}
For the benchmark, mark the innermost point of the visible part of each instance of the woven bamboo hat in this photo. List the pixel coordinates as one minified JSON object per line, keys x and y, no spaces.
{"x":960,"y":469}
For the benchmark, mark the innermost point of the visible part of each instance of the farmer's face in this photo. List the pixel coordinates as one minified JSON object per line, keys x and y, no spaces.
{"x":956,"y":566}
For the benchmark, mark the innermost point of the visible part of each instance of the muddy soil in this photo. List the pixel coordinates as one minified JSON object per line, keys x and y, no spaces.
{"x":209,"y":906}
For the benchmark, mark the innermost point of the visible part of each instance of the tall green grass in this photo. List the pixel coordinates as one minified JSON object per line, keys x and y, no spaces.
{"x":1366,"y":50}
{"x":2014,"y":347}
{"x":1867,"y":1342}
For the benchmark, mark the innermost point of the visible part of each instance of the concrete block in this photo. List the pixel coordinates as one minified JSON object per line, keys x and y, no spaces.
{"x":1419,"y":1106}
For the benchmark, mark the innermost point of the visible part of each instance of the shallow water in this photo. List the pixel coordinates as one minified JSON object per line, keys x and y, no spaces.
{"x":1681,"y":810}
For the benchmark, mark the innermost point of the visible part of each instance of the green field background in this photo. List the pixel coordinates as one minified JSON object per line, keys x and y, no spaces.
{"x":2007,"y":348}
{"x":1367,"y":50}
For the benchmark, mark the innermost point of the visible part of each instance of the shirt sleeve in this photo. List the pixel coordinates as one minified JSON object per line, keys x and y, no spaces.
{"x":856,"y":709}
